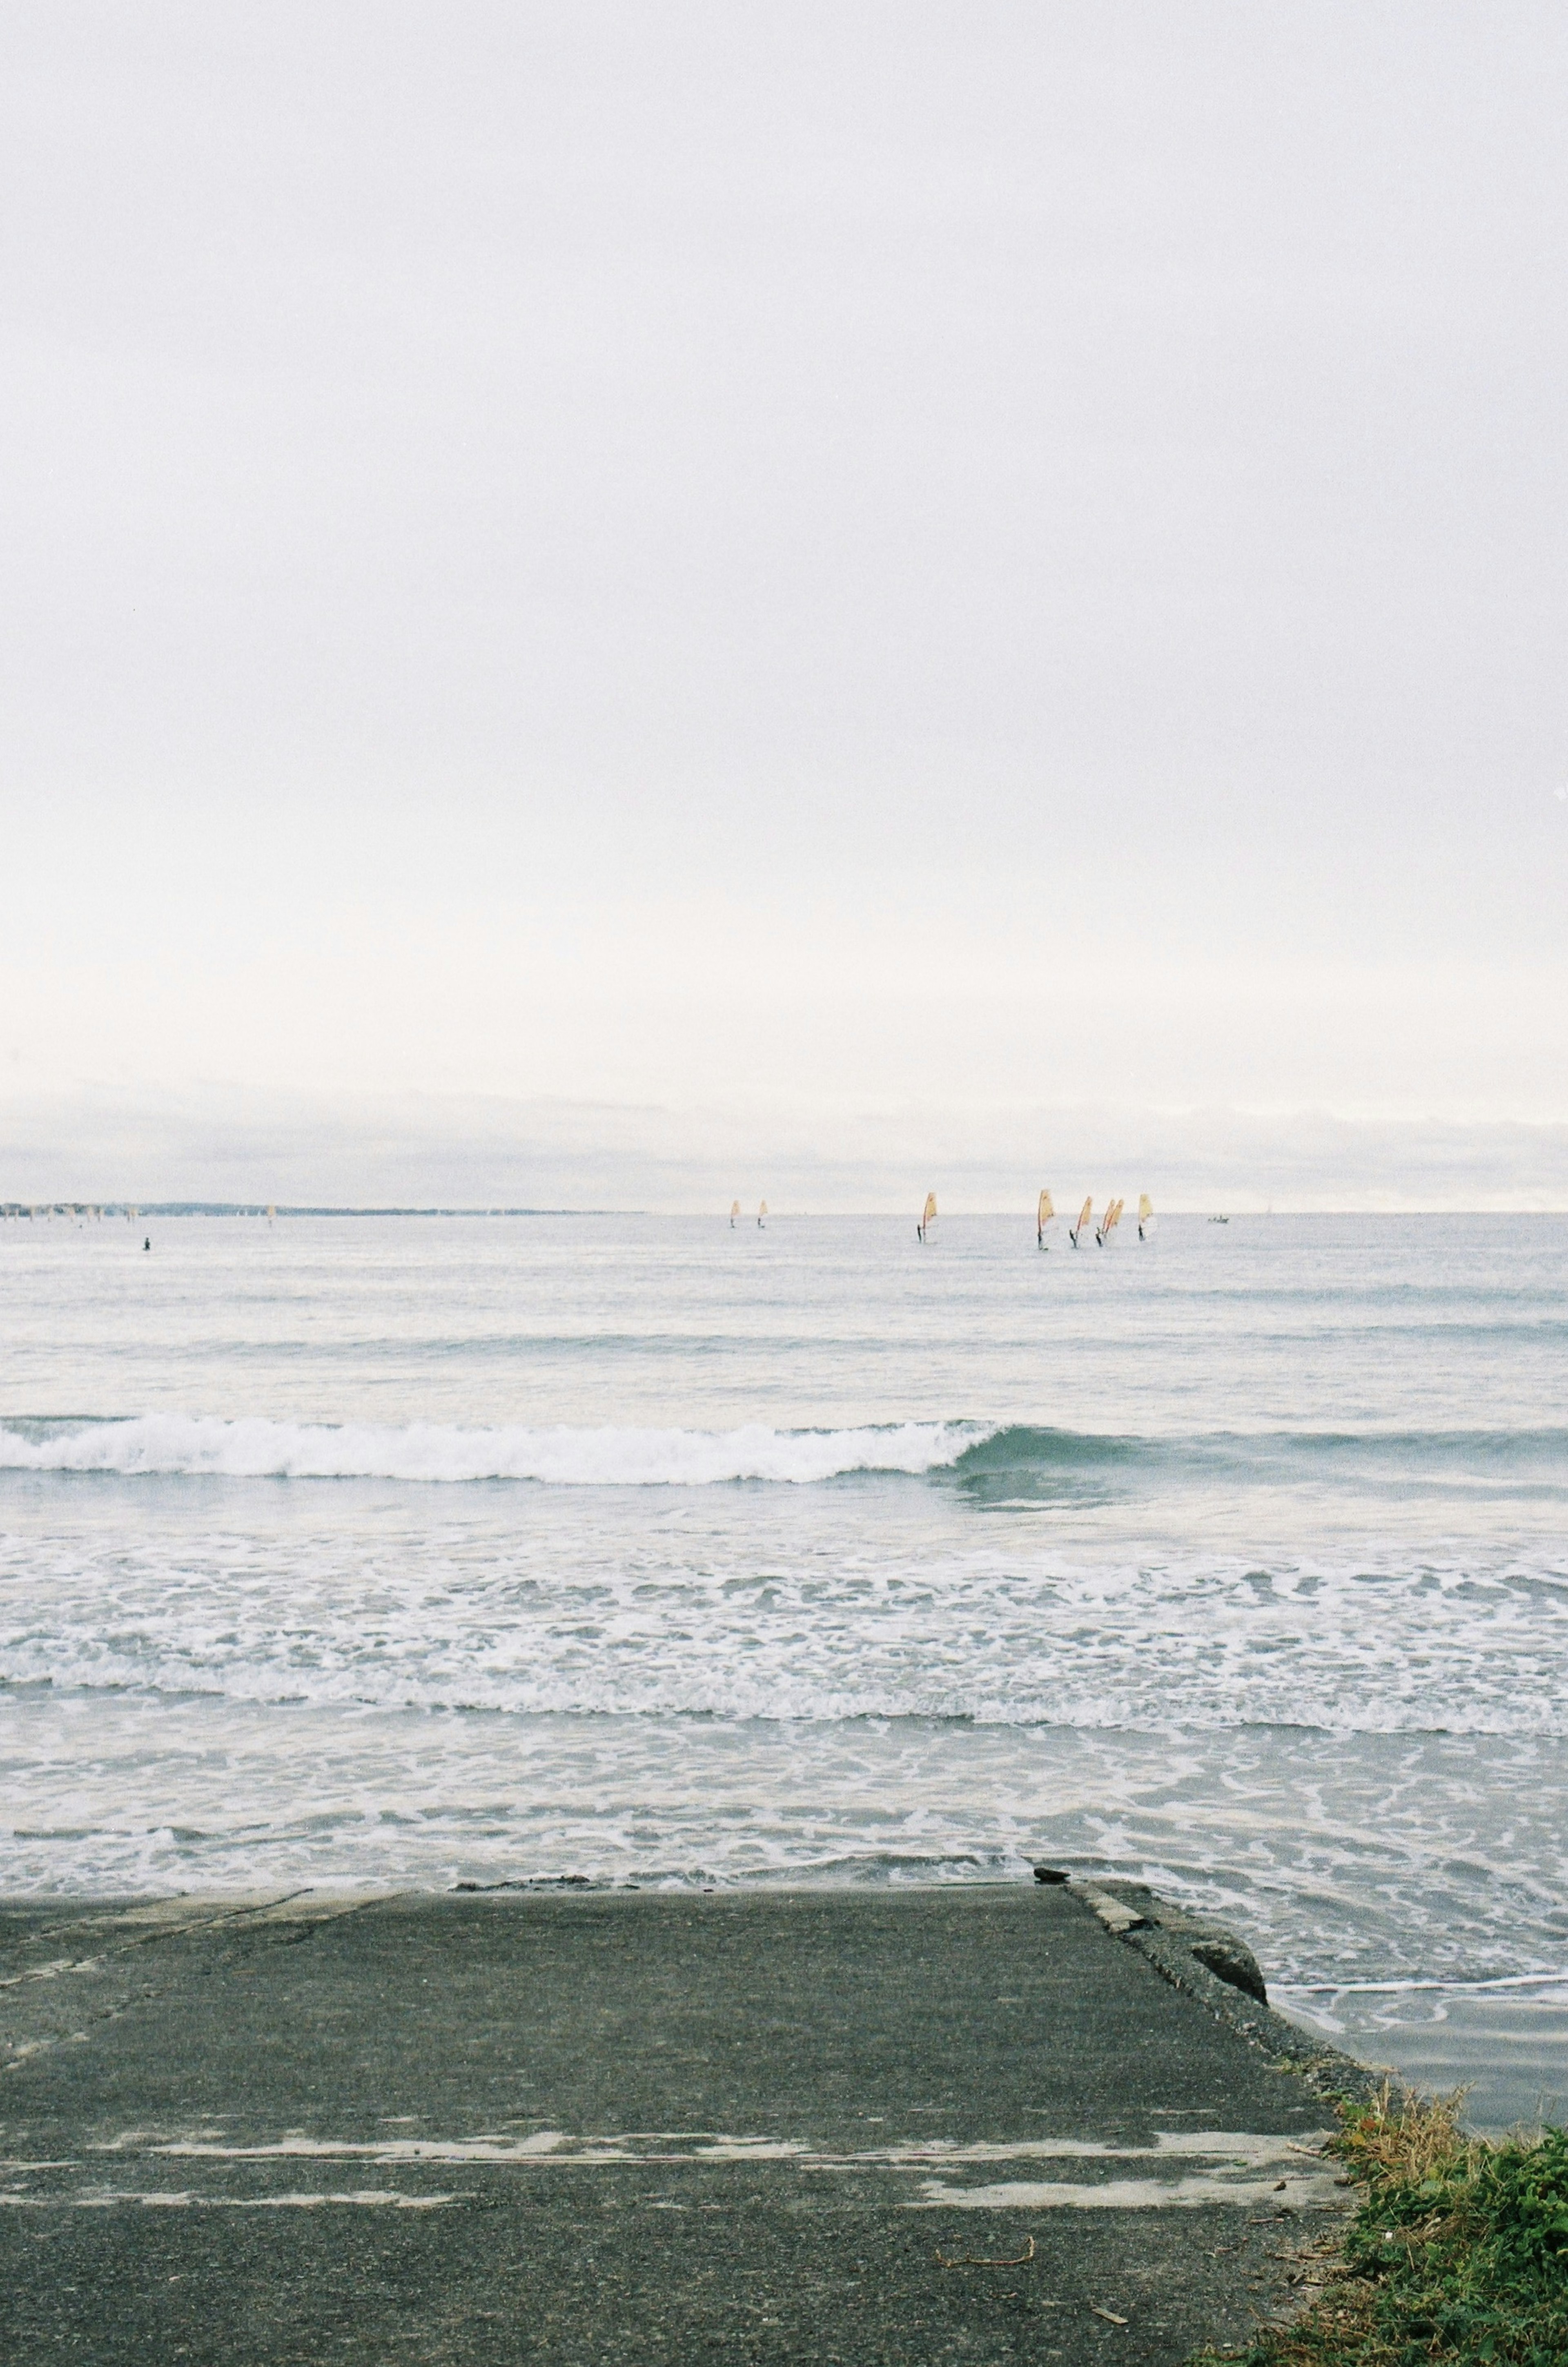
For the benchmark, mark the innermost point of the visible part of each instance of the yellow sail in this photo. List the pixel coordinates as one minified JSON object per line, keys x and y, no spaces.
{"x":930,"y":1214}
{"x":1145,"y":1207}
{"x":1110,"y":1221}
{"x":1085,"y":1212}
{"x":1043,"y":1217}
{"x":762,"y":1213}
{"x":734,"y":1210}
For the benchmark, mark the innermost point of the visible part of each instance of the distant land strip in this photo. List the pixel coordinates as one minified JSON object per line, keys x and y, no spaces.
{"x":41,"y":1208}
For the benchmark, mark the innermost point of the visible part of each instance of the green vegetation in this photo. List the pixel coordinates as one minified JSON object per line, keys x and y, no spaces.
{"x":1459,"y":2252}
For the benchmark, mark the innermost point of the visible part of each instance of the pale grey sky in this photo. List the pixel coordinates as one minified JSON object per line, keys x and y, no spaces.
{"x":844,"y":575}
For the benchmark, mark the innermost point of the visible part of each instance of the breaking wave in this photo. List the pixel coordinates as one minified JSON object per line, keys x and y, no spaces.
{"x":250,"y":1448}
{"x":998,"y":1458}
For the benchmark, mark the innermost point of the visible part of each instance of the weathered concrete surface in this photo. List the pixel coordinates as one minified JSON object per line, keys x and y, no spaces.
{"x":631,"y":2128}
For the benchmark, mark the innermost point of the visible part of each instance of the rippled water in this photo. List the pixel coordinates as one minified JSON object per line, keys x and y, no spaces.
{"x":436,"y":1549}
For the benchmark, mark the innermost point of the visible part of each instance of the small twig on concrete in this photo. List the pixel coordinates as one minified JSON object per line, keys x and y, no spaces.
{"x":968,"y":2260}
{"x":1108,"y":2314}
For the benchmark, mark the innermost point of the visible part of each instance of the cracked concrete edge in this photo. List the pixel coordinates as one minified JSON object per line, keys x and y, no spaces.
{"x":127,"y":1929}
{"x":1324,"y":2068}
{"x":176,"y":1914}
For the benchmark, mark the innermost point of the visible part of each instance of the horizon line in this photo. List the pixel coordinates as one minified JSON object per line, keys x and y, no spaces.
{"x":45,"y":1210}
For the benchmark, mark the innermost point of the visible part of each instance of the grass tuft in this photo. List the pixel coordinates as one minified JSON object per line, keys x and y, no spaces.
{"x":1458,"y":2253}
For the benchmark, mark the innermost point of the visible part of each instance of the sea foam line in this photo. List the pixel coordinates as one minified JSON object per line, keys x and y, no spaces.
{"x":252,"y":1448}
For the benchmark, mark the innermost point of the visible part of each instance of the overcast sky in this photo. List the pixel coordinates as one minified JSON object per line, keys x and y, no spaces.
{"x":803,"y":571}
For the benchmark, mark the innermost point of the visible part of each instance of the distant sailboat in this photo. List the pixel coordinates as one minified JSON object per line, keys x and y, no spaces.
{"x":734,"y":1213}
{"x":928,"y":1216}
{"x":762,"y":1216}
{"x":272,"y":1213}
{"x":1145,"y":1215}
{"x":1043,"y":1217}
{"x":1085,"y":1212}
{"x":1108,"y":1223}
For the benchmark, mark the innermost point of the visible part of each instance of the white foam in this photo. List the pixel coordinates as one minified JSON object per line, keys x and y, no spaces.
{"x":251,"y":1448}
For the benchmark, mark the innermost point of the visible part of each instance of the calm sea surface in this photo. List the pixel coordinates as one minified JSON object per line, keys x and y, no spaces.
{"x":436,"y":1549}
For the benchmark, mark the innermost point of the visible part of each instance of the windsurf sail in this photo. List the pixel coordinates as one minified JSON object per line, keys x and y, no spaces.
{"x":1108,"y":1222}
{"x":734,"y":1212}
{"x":762,"y":1214}
{"x":1085,"y":1212}
{"x":1145,"y":1215}
{"x":928,"y":1216}
{"x":1043,"y":1217}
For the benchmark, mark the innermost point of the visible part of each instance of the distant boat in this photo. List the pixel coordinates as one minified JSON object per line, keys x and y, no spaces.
{"x":734,"y":1213}
{"x":272,"y":1214}
{"x":1076,"y":1232}
{"x":1145,"y":1215}
{"x":928,"y":1216}
{"x":762,"y":1214}
{"x":1108,"y":1223}
{"x":1219,"y":1220}
{"x":1043,"y":1217}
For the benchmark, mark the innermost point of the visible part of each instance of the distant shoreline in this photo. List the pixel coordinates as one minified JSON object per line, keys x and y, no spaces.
{"x":42,"y":1210}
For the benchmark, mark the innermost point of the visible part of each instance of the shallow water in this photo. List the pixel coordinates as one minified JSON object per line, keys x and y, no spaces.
{"x":447,"y":1549}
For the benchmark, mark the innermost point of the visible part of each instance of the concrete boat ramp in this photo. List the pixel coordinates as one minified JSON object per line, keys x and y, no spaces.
{"x":974,"y":2123}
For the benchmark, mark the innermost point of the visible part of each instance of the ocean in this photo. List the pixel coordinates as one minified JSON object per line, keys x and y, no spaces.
{"x":423,"y":1550}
